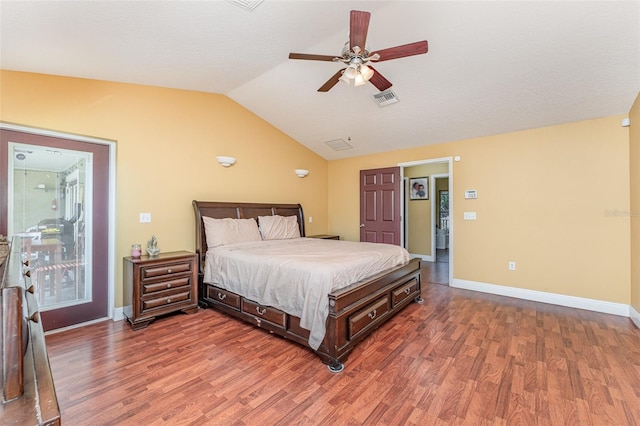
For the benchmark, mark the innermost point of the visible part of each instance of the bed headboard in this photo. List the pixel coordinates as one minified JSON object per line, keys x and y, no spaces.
{"x":221,"y":210}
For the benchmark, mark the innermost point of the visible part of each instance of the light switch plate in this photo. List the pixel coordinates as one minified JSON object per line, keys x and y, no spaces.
{"x":470,"y":194}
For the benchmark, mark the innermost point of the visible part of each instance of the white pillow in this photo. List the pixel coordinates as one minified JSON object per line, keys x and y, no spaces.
{"x":278,"y":227}
{"x":220,"y":232}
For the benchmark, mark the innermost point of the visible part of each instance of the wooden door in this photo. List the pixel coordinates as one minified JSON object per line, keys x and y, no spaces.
{"x":380,"y":217}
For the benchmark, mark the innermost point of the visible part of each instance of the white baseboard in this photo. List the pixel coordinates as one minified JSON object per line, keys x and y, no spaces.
{"x":635,"y":316}
{"x":544,"y":297}
{"x":118,"y":314}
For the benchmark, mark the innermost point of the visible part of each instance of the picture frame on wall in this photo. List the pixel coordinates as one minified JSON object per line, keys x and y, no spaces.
{"x":419,"y":188}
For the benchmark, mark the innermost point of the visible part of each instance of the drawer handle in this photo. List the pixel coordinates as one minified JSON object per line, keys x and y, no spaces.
{"x":407,"y":290}
{"x":169,"y":285}
{"x":261,"y":312}
{"x":168,"y":300}
{"x":28,"y":273}
{"x":221,"y":296}
{"x":169,"y":271}
{"x":372,"y":314}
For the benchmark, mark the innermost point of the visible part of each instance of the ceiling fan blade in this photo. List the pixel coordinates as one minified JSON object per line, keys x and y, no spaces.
{"x":378,"y":80}
{"x":417,"y":48}
{"x":358,"y":28}
{"x":311,"y":57}
{"x":331,"y":82}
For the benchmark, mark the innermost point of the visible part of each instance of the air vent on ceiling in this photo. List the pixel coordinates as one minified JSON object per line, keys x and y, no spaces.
{"x":246,"y":4}
{"x":339,"y":144}
{"x":385,"y":98}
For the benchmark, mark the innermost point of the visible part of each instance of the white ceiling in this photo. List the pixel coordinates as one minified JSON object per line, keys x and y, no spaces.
{"x":492,"y":66}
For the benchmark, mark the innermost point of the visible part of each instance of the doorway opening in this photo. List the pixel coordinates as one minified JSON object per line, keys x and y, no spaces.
{"x":427,"y":220}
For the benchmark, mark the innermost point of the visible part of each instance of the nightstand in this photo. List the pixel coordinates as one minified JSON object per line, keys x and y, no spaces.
{"x":159,"y":285}
{"x":325,"y":236}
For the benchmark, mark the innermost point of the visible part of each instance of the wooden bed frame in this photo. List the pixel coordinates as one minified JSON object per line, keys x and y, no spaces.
{"x":354,"y":312}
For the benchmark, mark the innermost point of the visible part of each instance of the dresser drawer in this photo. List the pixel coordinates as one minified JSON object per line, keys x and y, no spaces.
{"x":165,"y":301}
{"x":368,"y":316}
{"x":404,"y":291}
{"x":165,"y":270}
{"x":264,"y":312}
{"x":223,"y":296}
{"x":166,"y":285}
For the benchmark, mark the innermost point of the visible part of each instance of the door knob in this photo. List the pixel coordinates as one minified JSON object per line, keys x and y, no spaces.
{"x":362,"y":225}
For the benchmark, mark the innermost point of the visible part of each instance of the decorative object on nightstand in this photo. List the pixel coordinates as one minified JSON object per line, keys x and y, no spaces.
{"x":325,"y":236}
{"x":152,"y":246}
{"x":136,"y":250}
{"x":158,"y":285}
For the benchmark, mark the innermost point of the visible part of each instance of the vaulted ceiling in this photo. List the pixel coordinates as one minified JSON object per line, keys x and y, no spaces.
{"x":492,"y":66}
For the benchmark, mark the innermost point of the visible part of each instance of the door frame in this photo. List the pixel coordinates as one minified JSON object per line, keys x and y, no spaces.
{"x":111,"y":214}
{"x":403,"y":225}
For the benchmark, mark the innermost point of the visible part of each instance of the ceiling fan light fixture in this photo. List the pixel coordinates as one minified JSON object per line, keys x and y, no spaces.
{"x":359,"y":80}
{"x":366,"y":72}
{"x":351,"y":72}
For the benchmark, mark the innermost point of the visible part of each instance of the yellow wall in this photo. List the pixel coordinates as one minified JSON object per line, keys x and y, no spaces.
{"x":167,"y":141}
{"x":547,"y":199}
{"x":634,"y":148}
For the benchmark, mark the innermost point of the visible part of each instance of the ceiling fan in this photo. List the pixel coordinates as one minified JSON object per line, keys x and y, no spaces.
{"x":356,"y":56}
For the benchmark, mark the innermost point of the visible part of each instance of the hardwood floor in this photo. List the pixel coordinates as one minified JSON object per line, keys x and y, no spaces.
{"x":459,"y":358}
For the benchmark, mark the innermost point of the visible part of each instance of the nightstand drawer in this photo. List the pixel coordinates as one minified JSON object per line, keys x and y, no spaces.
{"x":166,"y":284}
{"x":164,"y":301}
{"x":159,"y":271}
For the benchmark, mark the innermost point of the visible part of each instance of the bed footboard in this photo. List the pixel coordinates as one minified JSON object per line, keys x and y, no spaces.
{"x":354,"y":312}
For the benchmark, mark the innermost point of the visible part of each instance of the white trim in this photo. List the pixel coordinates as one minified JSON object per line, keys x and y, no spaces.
{"x":541,"y":296}
{"x":635,"y":316}
{"x":118,"y":314}
{"x":111,"y":261}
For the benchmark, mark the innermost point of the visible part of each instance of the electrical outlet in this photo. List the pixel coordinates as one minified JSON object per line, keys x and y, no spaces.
{"x":470,"y":216}
{"x":145,"y":217}
{"x":512,"y":266}
{"x":310,"y":219}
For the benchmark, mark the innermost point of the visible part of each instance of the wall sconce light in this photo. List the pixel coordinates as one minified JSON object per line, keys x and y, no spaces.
{"x":301,"y":172}
{"x":226,"y":161}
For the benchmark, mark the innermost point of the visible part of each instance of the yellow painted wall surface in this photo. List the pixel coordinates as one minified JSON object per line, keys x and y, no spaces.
{"x":547,"y":200}
{"x":634,"y":154}
{"x":167,"y":141}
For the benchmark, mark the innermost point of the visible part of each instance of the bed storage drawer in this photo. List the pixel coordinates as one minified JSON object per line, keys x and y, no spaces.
{"x":405,"y":291}
{"x":223,"y":296}
{"x":368,"y":316}
{"x":266,"y":313}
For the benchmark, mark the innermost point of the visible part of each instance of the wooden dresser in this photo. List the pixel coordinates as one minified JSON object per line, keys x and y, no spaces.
{"x":159,"y":285}
{"x":28,"y":392}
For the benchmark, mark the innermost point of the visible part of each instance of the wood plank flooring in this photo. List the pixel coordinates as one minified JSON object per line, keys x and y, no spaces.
{"x":460,"y":358}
